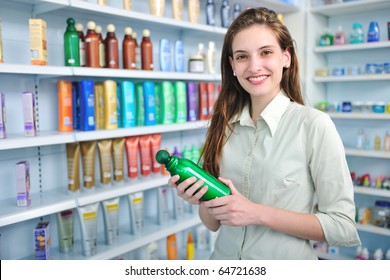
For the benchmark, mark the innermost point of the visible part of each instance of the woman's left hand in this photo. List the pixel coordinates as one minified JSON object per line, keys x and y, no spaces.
{"x":233,"y":209}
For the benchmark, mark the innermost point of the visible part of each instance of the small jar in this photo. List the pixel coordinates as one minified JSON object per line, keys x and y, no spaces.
{"x":381,"y":214}
{"x":346,"y":107}
{"x":357,"y":106}
{"x":387,"y":108}
{"x":386,"y":68}
{"x":334,"y":107}
{"x":378,"y":107}
{"x":367,"y":107}
{"x":323,"y":106}
{"x":370,"y":68}
{"x":196,"y":64}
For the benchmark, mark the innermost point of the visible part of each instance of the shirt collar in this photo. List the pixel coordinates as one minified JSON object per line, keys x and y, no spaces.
{"x":271,"y":114}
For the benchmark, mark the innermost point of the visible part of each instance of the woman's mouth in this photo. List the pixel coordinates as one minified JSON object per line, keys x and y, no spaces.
{"x":256,"y":79}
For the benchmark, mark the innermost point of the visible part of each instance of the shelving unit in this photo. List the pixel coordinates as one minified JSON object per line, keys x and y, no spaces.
{"x":373,"y":87}
{"x":46,"y":152}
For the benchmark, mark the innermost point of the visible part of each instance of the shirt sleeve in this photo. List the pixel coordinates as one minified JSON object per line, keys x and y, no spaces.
{"x":333,"y":183}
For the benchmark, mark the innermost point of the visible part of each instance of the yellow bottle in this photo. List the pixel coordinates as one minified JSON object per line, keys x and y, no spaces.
{"x":190,"y":247}
{"x":110,"y":105}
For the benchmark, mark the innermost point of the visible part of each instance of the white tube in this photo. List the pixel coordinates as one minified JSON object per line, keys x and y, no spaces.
{"x":136,"y":206}
{"x":88,"y":226}
{"x":65,"y":230}
{"x":162,"y":211}
{"x":111,"y":220}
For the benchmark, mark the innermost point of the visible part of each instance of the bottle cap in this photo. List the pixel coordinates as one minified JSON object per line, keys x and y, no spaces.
{"x":79,"y":27}
{"x":98,"y":29}
{"x":70,"y":21}
{"x":146,"y":33}
{"x":162,"y":157}
{"x":134,"y":35}
{"x":128,"y":30}
{"x":211,"y":45}
{"x":91,"y":25}
{"x":110,"y":28}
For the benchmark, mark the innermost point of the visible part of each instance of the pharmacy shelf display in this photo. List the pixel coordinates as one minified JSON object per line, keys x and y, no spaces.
{"x":46,"y":152}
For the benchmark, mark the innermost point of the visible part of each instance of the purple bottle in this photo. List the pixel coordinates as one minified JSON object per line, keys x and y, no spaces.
{"x":192,"y":108}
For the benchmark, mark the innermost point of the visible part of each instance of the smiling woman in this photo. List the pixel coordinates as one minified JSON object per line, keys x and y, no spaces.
{"x":275,"y":154}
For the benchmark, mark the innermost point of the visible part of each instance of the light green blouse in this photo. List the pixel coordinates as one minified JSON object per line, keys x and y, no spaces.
{"x":293,"y":159}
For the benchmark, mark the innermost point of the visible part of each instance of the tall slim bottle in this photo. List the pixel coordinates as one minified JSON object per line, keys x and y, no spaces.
{"x":71,"y":44}
{"x":129,"y":50}
{"x":111,"y":48}
{"x":210,"y":12}
{"x":146,"y":51}
{"x":225,"y":13}
{"x":102,"y":52}
{"x":92,"y":46}
{"x":194,"y":11}
{"x":186,"y":168}
{"x":79,"y":28}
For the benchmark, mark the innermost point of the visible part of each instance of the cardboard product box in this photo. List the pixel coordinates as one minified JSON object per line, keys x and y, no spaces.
{"x":23,"y":183}
{"x":1,"y":45}
{"x":29,"y":114}
{"x":42,"y":241}
{"x":38,"y":41}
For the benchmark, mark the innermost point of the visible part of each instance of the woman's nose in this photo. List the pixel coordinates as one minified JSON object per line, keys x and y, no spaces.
{"x":255,"y":64}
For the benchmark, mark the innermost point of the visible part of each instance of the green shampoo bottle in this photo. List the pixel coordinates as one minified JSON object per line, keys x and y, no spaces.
{"x":71,"y":44}
{"x":186,"y":168}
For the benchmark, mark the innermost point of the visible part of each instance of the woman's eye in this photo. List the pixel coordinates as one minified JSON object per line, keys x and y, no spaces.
{"x":240,"y":57}
{"x":266,"y":52}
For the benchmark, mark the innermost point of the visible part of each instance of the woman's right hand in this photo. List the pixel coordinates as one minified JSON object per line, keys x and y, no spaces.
{"x":186,"y":189}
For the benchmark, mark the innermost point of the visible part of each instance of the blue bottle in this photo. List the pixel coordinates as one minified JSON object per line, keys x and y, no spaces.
{"x":87,"y":105}
{"x":179,"y":56}
{"x":149,"y":103}
{"x":127,"y":106}
{"x":75,"y":106}
{"x":165,"y":55}
{"x":373,"y":32}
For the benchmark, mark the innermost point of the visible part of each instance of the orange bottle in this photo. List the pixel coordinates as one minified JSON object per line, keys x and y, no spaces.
{"x":190,"y":255}
{"x":146,"y":51}
{"x":111,"y":48}
{"x":65,"y":113}
{"x":129,"y":47}
{"x":171,"y":247}
{"x":91,"y":46}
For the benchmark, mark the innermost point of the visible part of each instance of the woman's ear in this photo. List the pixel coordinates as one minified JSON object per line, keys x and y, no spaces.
{"x":231,"y":64}
{"x":287,"y":58}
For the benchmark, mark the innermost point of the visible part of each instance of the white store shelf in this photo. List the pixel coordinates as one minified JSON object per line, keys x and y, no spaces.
{"x":352,"y":7}
{"x":353,"y":78}
{"x":42,"y":204}
{"x":128,"y":242}
{"x":116,"y":190}
{"x":372,"y":191}
{"x":373,"y":229}
{"x":352,"y":47}
{"x":359,"y":116}
{"x":367,"y":153}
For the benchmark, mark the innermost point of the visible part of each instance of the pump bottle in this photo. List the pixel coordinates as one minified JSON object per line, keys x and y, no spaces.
{"x":129,"y":50}
{"x":111,"y":48}
{"x":71,"y":44}
{"x":92,"y":46}
{"x":186,"y":168}
{"x":146,"y":51}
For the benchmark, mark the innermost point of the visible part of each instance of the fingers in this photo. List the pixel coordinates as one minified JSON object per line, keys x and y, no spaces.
{"x":173,"y":180}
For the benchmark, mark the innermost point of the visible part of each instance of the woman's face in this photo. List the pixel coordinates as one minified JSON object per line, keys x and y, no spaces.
{"x":258,"y":61}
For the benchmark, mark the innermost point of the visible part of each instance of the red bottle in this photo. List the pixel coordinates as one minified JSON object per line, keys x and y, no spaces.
{"x":111,"y":48}
{"x":129,"y":46}
{"x":92,"y":46}
{"x":146,"y":51}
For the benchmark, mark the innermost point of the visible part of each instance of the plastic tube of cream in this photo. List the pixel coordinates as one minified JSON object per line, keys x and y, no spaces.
{"x":163,"y":214}
{"x":145,"y":152}
{"x":105,"y":148}
{"x":136,"y":206}
{"x":132,"y":147}
{"x":65,"y":227}
{"x":118,"y":150}
{"x":73,"y":159}
{"x":88,"y":226}
{"x":155,"y":147}
{"x":88,"y":162}
{"x":111,"y":220}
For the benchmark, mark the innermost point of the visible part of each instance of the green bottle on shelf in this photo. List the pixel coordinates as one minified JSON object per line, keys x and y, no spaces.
{"x":71,"y":44}
{"x":186,"y":168}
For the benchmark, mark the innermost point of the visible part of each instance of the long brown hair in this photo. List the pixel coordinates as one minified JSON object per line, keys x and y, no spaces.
{"x":233,"y":97}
